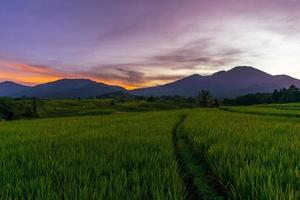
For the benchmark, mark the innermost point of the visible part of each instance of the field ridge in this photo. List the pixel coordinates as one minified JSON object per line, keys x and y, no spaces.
{"x":261,"y":113}
{"x":198,"y":181}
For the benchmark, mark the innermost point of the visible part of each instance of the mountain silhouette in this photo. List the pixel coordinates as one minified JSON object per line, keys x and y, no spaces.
{"x":237,"y":81}
{"x":226,"y":84}
{"x":8,"y":88}
{"x":68,"y":88}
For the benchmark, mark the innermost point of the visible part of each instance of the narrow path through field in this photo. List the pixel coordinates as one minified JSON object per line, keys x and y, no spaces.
{"x":198,"y":182}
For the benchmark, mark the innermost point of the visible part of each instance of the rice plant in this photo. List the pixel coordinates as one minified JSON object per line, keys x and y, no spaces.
{"x":126,"y":156}
{"x":253,"y":156}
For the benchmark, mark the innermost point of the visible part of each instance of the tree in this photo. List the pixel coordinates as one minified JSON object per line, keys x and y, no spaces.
{"x":31,"y":109}
{"x":34,"y":106}
{"x":205,"y":98}
{"x":151,"y":99}
{"x":6,"y":109}
{"x":190,"y":100}
{"x":292,"y":94}
{"x":276,"y":96}
{"x":293,"y":88}
{"x":112,"y":102}
{"x":216,"y":103}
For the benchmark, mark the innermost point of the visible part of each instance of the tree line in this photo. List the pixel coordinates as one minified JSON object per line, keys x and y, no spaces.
{"x":289,"y":95}
{"x":29,"y":108}
{"x":203,"y":99}
{"x":11,"y":109}
{"x":206,"y":99}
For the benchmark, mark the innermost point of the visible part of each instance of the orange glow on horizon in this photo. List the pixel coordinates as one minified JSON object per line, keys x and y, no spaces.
{"x":33,"y":75}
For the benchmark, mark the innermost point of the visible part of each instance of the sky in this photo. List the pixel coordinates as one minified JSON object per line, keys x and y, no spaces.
{"x":142,"y":43}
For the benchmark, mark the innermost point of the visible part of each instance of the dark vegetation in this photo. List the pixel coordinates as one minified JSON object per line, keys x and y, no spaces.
{"x":206,"y":100}
{"x":30,"y":108}
{"x":290,"y":95}
{"x":11,"y":109}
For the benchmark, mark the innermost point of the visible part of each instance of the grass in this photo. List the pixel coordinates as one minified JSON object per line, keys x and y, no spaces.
{"x":122,"y":157}
{"x":230,"y":153}
{"x":280,"y":110}
{"x":84,"y":107}
{"x":193,"y":168}
{"x":254,"y":157}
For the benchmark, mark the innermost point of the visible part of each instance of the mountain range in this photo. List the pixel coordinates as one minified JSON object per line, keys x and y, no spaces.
{"x":8,"y":88}
{"x":237,"y":81}
{"x":63,"y":88}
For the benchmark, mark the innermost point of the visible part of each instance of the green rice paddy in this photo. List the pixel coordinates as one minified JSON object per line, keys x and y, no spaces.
{"x":229,"y":153}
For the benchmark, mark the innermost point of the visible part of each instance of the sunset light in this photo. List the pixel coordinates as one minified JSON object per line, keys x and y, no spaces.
{"x":145,"y":44}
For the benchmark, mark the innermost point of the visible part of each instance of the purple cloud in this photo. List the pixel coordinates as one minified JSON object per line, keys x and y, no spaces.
{"x":139,"y":41}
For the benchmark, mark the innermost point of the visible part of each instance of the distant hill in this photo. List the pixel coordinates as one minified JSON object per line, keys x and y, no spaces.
{"x":69,"y":88}
{"x":8,"y":88}
{"x":232,"y":83}
{"x":237,"y":81}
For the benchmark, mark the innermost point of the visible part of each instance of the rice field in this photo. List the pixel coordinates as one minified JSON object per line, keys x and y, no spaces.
{"x":122,"y":157}
{"x":280,"y":110}
{"x":229,"y":153}
{"x":252,"y":156}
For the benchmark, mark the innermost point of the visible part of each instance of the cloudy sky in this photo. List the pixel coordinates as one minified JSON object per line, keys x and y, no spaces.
{"x":139,"y":43}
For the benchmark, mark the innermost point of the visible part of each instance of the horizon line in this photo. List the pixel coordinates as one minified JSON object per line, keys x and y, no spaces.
{"x":132,"y":87}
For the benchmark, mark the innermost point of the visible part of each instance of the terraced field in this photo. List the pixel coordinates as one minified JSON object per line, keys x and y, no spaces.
{"x":228,"y":153}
